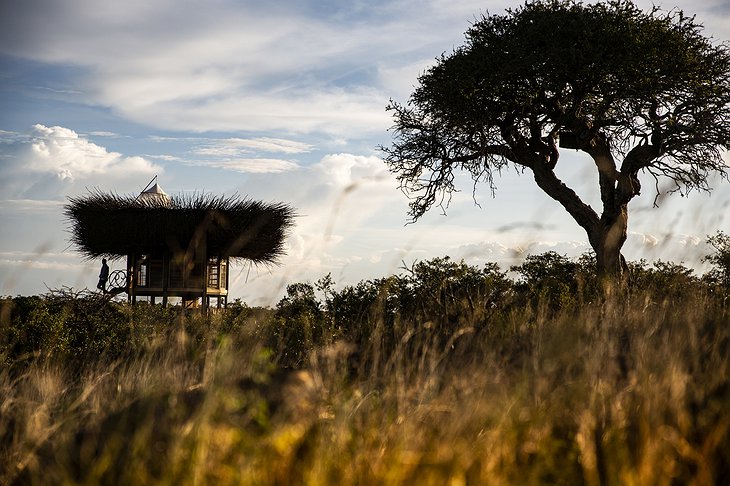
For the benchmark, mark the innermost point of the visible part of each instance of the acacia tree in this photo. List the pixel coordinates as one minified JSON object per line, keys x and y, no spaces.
{"x":635,"y":91}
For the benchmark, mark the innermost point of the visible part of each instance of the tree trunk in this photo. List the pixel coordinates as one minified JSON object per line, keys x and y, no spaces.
{"x":607,"y":241}
{"x":606,"y":233}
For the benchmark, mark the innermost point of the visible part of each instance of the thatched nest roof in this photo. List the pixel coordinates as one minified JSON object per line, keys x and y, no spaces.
{"x":113,"y":226}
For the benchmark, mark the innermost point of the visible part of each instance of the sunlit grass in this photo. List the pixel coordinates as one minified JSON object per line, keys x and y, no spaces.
{"x":622,"y":391}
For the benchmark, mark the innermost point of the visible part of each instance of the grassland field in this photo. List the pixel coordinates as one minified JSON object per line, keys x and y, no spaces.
{"x":446,"y":374}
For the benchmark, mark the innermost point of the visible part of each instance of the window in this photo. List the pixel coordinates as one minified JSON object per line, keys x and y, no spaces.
{"x":222,"y":277}
{"x":154,"y":273}
{"x":214,"y":273}
{"x":142,"y":271}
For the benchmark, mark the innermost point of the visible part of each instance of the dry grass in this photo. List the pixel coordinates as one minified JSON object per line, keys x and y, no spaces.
{"x":614,"y":393}
{"x":114,"y":226}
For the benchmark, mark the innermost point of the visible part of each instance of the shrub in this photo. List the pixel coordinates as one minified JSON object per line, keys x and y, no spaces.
{"x":299,"y":325}
{"x":719,"y":275}
{"x":556,"y":281}
{"x":63,"y":325}
{"x":663,"y":280}
{"x":454,"y":295}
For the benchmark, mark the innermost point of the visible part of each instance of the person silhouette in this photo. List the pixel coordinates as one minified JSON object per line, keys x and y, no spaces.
{"x":103,"y":275}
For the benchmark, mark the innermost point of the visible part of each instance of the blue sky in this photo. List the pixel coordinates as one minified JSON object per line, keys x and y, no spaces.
{"x":278,"y":101}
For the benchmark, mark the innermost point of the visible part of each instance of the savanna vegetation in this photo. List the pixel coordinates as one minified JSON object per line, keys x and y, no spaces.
{"x":637,"y":94}
{"x":443,"y":374}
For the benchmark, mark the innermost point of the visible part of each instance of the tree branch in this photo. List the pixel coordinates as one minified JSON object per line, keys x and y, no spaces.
{"x":582,"y":213}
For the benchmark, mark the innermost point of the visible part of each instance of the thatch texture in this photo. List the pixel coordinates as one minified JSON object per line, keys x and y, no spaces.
{"x":113,"y":226}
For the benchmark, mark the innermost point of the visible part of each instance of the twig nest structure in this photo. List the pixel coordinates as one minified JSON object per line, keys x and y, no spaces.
{"x":178,"y":245}
{"x":113,"y":226}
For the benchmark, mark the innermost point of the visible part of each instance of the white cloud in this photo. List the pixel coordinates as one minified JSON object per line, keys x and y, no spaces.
{"x":344,"y":169}
{"x":49,"y":161}
{"x":40,"y":260}
{"x":165,"y":157}
{"x":226,"y":66}
{"x":103,"y":133}
{"x":61,"y":151}
{"x":228,"y":147}
{"x":399,"y":80}
{"x":24,"y":273}
{"x":255,"y":166}
{"x":7,"y":136}
{"x":30,"y":205}
{"x":354,"y":112}
{"x":264,"y":74}
{"x":295,"y":67}
{"x":239,"y":66}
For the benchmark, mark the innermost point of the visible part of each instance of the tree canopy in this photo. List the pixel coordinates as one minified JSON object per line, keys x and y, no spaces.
{"x":638,"y":92}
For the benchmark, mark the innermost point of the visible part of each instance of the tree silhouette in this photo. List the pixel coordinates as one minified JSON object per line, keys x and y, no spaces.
{"x":635,"y":91}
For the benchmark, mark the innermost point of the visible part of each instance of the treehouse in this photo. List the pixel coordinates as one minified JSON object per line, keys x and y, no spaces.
{"x":180,"y":246}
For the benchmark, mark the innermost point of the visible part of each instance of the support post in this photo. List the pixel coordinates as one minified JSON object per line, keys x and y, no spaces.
{"x":165,"y":277}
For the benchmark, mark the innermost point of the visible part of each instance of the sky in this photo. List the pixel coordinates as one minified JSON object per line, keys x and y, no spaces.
{"x":279,"y":101}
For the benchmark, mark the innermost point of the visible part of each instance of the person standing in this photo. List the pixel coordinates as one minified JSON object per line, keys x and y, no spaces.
{"x":103,"y":275}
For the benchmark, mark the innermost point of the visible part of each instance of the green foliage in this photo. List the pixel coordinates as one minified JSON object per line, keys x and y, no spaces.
{"x":65,"y":325}
{"x":454,"y":295}
{"x":635,"y":91}
{"x":720,"y":259}
{"x":615,"y":390}
{"x":646,"y":85}
{"x":82,"y":328}
{"x":299,"y":326}
{"x":666,"y":280}
{"x":432,"y":300}
{"x":368,"y":313}
{"x":556,"y":281}
{"x":28,"y":326}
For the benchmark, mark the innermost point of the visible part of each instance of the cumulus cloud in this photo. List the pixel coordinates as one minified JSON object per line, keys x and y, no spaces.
{"x":344,"y":169}
{"x":48,"y":160}
{"x":61,"y":150}
{"x":337,"y":198}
